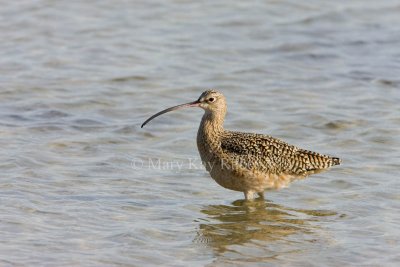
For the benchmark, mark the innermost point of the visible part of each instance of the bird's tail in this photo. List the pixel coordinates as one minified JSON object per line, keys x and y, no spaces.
{"x":336,"y":161}
{"x":317,"y":161}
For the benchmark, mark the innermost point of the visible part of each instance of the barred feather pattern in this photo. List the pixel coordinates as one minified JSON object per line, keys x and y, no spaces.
{"x":273,"y":156}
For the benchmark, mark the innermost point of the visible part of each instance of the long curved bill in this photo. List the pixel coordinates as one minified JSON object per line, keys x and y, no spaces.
{"x":187,"y":105}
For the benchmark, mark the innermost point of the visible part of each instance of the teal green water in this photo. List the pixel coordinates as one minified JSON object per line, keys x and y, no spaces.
{"x":82,"y":185}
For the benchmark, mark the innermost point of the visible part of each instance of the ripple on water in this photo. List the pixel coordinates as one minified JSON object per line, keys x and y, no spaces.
{"x":52,"y":114}
{"x":130,"y":78}
{"x":343,"y":125}
{"x":88,"y":125}
{"x":388,"y":83}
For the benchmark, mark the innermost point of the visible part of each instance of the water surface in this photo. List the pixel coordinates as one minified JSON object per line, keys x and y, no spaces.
{"x":80,"y":181}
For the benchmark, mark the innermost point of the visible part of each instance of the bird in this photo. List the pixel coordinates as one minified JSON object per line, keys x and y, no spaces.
{"x":247,"y":162}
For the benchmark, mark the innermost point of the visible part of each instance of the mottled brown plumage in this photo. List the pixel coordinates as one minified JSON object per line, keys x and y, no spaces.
{"x":248,"y":162}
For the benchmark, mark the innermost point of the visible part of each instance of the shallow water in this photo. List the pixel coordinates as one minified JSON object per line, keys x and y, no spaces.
{"x":83,"y":185}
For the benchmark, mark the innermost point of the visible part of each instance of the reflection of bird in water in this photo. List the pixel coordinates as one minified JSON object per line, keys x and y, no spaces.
{"x":255,"y":222}
{"x":247,"y":162}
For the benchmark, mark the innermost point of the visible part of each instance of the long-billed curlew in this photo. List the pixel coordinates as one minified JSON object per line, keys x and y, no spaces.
{"x":247,"y":162}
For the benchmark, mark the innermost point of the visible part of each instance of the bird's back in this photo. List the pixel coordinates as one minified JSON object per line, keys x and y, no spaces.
{"x":270,"y":155}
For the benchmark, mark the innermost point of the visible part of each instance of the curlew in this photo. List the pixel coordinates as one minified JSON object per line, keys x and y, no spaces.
{"x":247,"y":162}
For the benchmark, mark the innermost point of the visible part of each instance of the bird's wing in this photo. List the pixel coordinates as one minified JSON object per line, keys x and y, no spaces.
{"x":271,"y":155}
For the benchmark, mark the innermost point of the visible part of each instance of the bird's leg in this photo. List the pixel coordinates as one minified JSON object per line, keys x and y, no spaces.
{"x":249,"y":195}
{"x":261,"y":194}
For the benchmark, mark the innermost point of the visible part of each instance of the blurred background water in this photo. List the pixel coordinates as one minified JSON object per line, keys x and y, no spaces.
{"x":80,"y":184}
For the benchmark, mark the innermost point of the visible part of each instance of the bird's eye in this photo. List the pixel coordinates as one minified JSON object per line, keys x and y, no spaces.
{"x":211,"y":99}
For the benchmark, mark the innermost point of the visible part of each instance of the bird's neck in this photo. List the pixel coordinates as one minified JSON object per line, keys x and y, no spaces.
{"x":213,"y":122}
{"x":209,"y":135}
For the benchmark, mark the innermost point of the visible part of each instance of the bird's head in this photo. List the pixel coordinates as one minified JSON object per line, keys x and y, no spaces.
{"x":211,"y":101}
